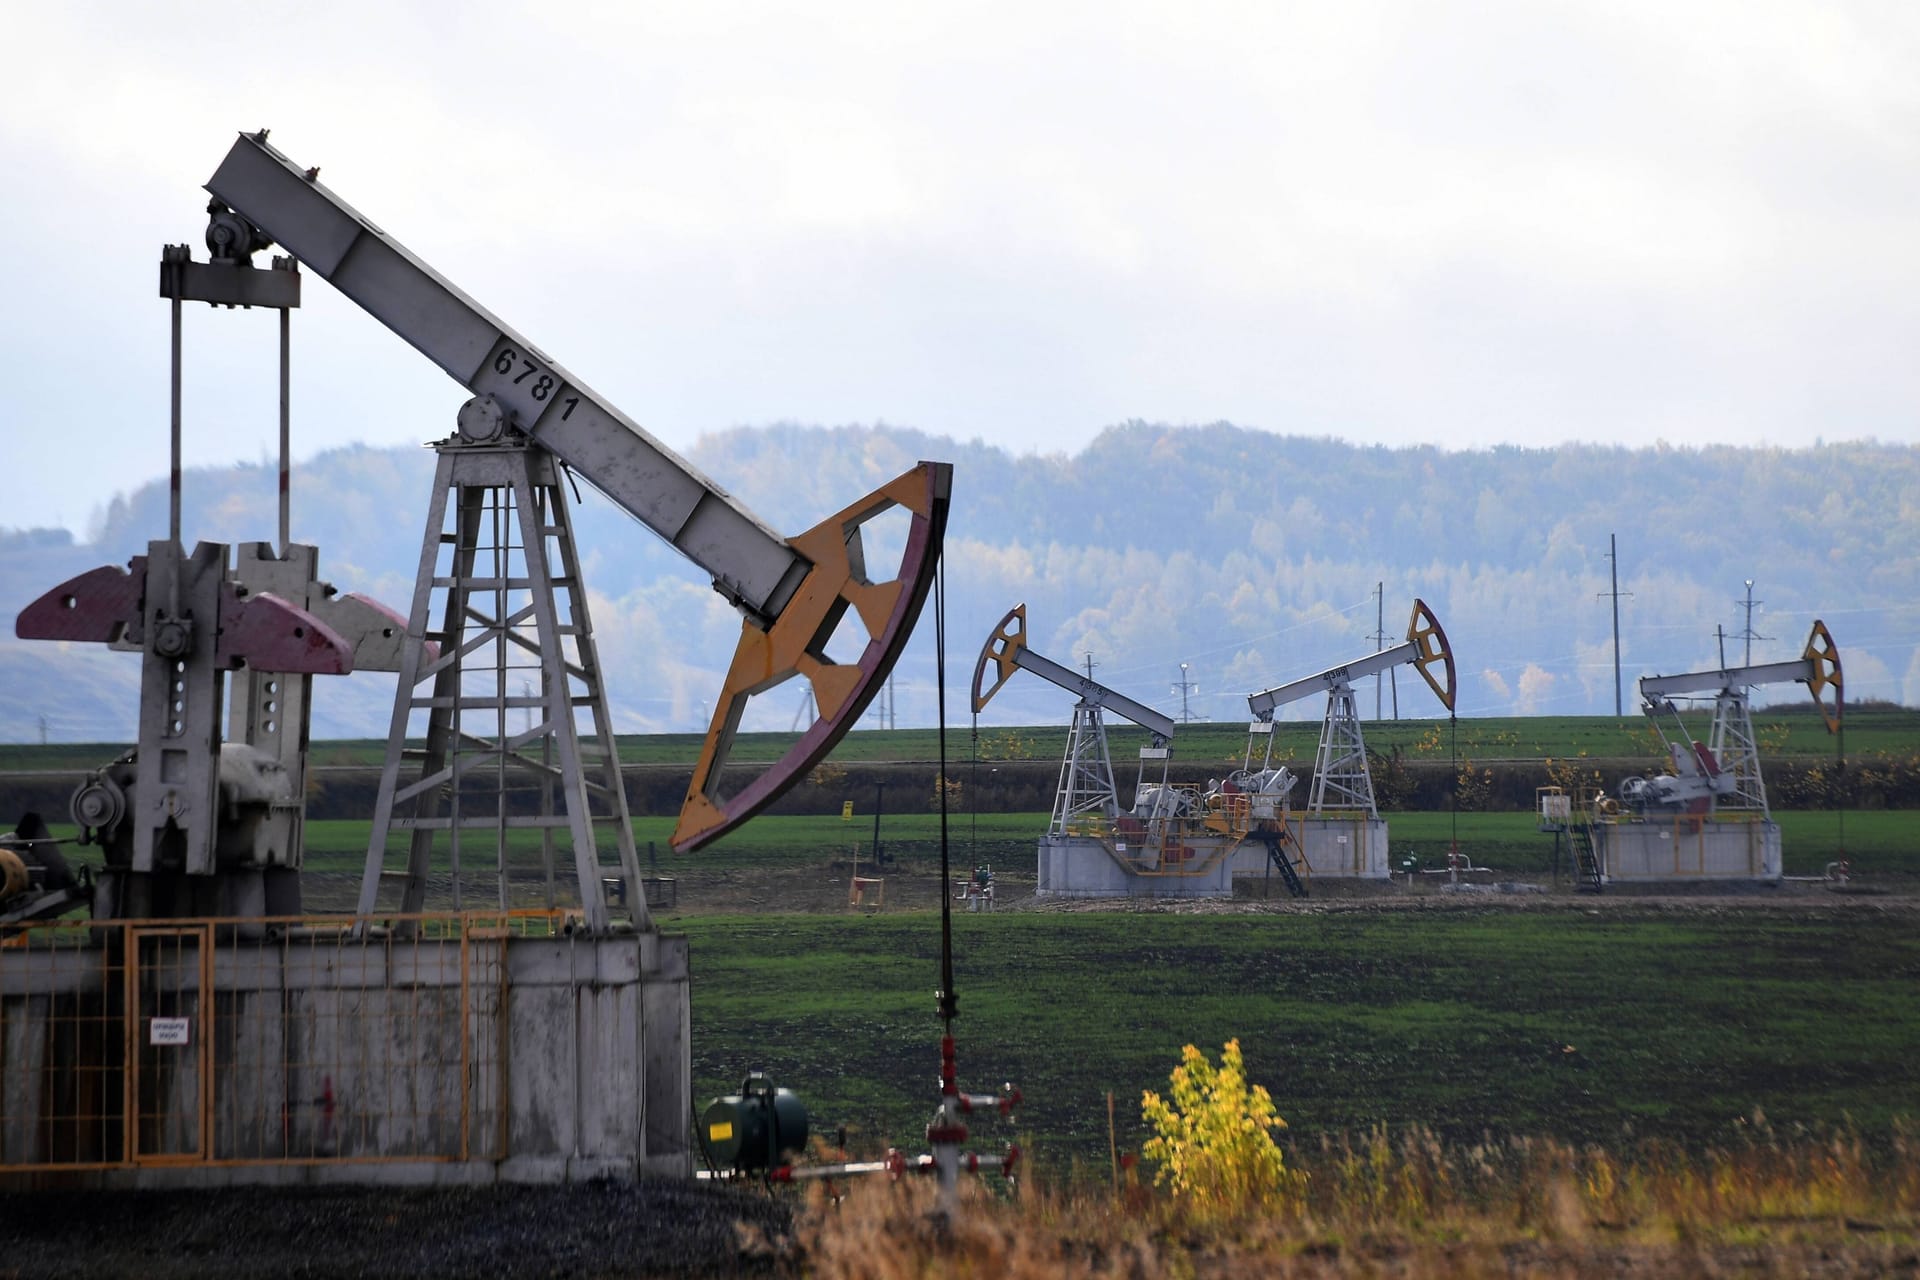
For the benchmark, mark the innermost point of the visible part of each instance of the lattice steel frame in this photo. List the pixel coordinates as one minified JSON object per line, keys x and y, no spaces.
{"x":1086,"y":772}
{"x":1340,"y":769}
{"x":1731,"y":740}
{"x":503,"y":611}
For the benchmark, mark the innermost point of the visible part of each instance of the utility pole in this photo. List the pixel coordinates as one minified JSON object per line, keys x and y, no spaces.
{"x":1379,"y":643}
{"x":1613,"y":556}
{"x":1091,"y":664}
{"x":43,"y":731}
{"x":1720,"y":634}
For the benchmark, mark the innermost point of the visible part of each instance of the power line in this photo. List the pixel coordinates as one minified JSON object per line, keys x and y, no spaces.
{"x":1314,"y":620}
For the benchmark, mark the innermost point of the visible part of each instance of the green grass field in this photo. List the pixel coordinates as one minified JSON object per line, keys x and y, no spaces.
{"x":775,"y":841}
{"x":1587,"y":1026}
{"x":1561,"y":1018}
{"x":1877,"y":840}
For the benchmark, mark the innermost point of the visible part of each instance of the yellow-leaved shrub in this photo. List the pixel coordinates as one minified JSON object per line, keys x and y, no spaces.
{"x":1213,"y":1138}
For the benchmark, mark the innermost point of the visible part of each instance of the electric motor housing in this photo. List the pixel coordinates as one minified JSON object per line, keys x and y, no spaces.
{"x":751,"y":1132}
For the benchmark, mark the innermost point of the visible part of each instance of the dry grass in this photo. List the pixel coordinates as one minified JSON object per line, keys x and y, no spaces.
{"x":1408,"y":1205}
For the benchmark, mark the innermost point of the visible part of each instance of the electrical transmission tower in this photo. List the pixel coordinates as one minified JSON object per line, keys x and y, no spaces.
{"x":1183,"y":688}
{"x":1748,"y":634}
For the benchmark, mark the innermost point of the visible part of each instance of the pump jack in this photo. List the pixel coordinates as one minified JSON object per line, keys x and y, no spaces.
{"x":1341,"y":831}
{"x":498,"y":559}
{"x":1708,"y":819}
{"x":1172,"y":840}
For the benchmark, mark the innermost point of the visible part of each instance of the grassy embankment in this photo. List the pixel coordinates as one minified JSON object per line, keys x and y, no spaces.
{"x":1785,"y":732}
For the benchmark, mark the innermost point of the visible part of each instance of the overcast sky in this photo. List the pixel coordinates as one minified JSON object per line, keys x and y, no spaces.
{"x":1460,"y":224}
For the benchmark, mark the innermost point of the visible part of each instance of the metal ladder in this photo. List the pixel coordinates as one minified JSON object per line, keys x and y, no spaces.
{"x":1278,"y":857}
{"x":1586,"y":861}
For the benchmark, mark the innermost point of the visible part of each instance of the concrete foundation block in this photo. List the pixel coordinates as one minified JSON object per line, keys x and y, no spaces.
{"x":324,"y":1059}
{"x":1684,"y":849}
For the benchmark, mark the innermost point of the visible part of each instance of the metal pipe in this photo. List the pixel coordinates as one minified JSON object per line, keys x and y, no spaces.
{"x":173,"y":473}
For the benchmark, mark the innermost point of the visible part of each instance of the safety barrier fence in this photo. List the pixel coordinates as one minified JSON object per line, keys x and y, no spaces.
{"x":287,"y":1041}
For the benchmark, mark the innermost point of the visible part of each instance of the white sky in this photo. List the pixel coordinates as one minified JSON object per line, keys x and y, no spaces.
{"x":1464,"y":224}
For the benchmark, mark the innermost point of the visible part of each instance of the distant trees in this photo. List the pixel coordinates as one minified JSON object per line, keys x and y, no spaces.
{"x":1250,"y":556}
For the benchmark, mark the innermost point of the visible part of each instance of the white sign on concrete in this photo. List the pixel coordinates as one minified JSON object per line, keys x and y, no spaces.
{"x":174,"y":1031}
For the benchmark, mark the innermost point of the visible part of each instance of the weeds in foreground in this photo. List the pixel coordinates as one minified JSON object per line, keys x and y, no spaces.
{"x":1408,"y":1204}
{"x":1226,"y":1200}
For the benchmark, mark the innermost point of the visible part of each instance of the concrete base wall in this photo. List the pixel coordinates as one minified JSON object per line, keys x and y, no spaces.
{"x":1337,"y":848}
{"x":1250,"y":859}
{"x":316,"y":1061}
{"x":1082,"y":867}
{"x":1353,"y":848}
{"x":1651,"y":852}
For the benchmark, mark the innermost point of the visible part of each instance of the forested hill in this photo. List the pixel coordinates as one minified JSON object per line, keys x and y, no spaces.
{"x":1251,"y":557}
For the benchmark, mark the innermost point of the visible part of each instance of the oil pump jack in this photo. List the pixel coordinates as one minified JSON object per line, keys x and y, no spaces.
{"x":1723,"y":773}
{"x":499,"y":607}
{"x":1341,"y":832}
{"x":1173,"y":840}
{"x":459,"y":1045}
{"x":1708,"y":818}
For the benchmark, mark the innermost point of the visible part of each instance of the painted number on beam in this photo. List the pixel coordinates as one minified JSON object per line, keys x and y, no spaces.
{"x":543,"y":382}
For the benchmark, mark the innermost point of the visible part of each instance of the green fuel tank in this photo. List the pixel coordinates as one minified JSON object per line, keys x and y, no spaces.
{"x":751,"y":1131}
